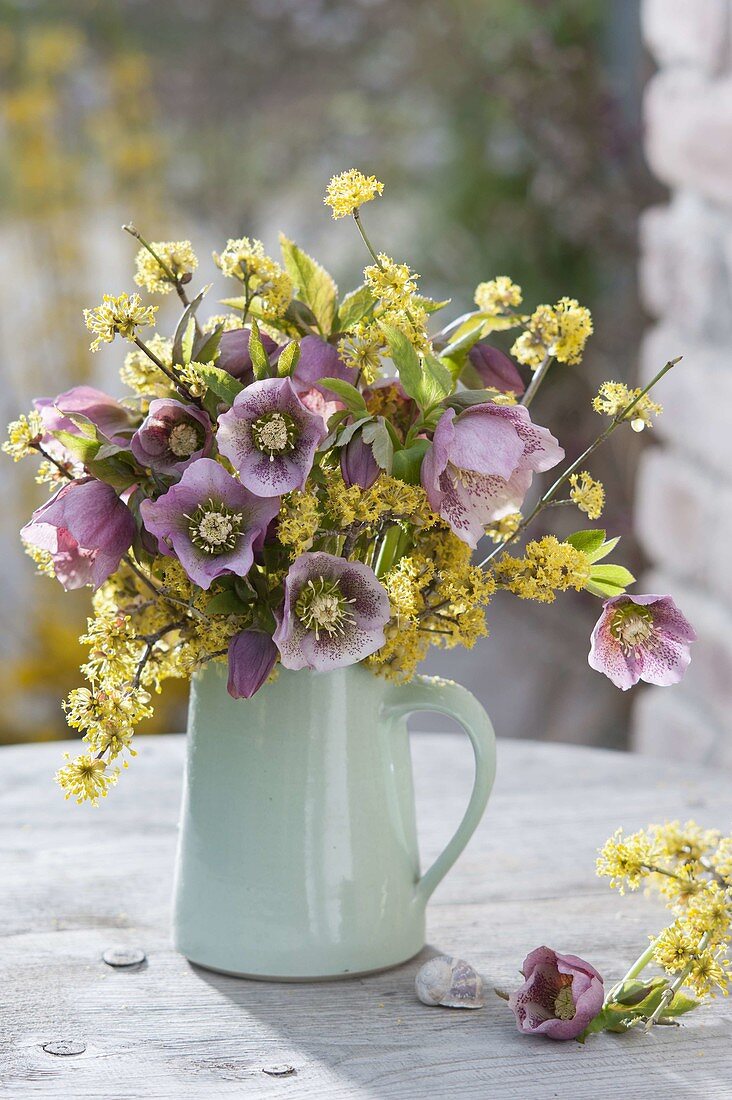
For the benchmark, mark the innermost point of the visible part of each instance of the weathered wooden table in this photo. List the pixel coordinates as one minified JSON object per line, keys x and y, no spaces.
{"x":75,"y":882}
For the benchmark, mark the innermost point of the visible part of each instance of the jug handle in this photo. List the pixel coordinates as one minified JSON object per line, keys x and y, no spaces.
{"x":427,"y":693}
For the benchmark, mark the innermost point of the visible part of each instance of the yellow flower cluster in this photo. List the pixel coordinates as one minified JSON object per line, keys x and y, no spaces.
{"x":613,"y":397}
{"x":499,"y":295}
{"x":387,"y":501}
{"x":117,"y":316}
{"x":179,"y":261}
{"x":299,"y":520}
{"x":362,"y":349}
{"x":627,"y":859}
{"x":263,"y":277}
{"x":24,"y":434}
{"x":42,"y":558}
{"x":437,"y":597}
{"x":349,"y":190}
{"x":547,"y":567}
{"x":560,"y":331}
{"x":191,"y":377}
{"x":587,"y":494}
{"x":682,"y":862}
{"x":86,"y":779}
{"x":501,"y":530}
{"x":395,"y":286}
{"x":141,"y":374}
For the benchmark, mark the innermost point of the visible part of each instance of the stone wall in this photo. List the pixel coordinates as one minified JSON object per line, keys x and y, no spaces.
{"x":684,"y":501}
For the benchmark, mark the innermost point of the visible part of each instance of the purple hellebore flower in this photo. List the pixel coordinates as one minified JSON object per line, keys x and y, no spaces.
{"x":172,"y":436}
{"x":496,"y":370}
{"x":270,"y":437}
{"x":562,"y":994}
{"x":234,"y":354}
{"x":358,"y":465}
{"x":112,"y":419}
{"x":252,"y":656}
{"x":86,"y":528}
{"x":480,"y":465}
{"x":209,"y":522}
{"x":641,"y":638}
{"x":333,"y":615}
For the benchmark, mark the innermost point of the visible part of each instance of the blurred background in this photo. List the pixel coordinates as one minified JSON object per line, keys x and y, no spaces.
{"x":509,"y":137}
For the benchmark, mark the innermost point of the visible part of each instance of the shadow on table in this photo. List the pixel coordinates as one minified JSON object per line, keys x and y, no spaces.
{"x":371,"y":1032}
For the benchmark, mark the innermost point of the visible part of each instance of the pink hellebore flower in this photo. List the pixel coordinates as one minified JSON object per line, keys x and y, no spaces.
{"x":172,"y":436}
{"x":562,"y":994}
{"x":209,"y":522}
{"x":270,"y":437}
{"x":333,"y":615}
{"x":480,"y":465}
{"x":112,"y":419}
{"x":252,"y":656}
{"x":641,"y":638}
{"x":86,"y":528}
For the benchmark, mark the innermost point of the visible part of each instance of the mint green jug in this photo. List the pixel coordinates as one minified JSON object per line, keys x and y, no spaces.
{"x":298,"y":852}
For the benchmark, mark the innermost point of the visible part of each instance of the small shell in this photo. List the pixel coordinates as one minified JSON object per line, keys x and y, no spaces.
{"x":452,"y":983}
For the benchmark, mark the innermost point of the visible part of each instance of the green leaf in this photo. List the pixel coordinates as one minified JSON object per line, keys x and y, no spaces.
{"x":221,"y":382}
{"x":604,"y":550}
{"x":257,"y":354}
{"x":465,"y":399}
{"x":429,"y":304}
{"x":188,"y":313}
{"x":301,"y":317}
{"x":459,"y":348}
{"x":206,"y":345}
{"x":86,"y":426}
{"x":354,"y":307}
{"x":350,"y":430}
{"x":80,"y":446}
{"x":608,"y":580}
{"x":315,"y":286}
{"x":225,"y":603}
{"x":437,"y":381}
{"x":348,"y":394}
{"x":188,"y":339}
{"x":288,"y":360}
{"x":589,"y":542}
{"x":405,"y":360}
{"x":377,"y":434}
{"x":407,"y":462}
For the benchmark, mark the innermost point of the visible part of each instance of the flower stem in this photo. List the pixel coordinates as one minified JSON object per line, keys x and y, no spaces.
{"x":539,"y":376}
{"x":172,"y":277}
{"x":564,"y":477}
{"x":364,"y":238}
{"x":639,"y":965}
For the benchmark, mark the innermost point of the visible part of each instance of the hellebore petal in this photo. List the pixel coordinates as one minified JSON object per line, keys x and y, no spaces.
{"x":333,"y":615}
{"x":86,"y":528}
{"x":358,"y":465}
{"x":209,"y":521}
{"x":562,"y":994}
{"x":641,"y":638}
{"x":270,"y":437}
{"x":172,"y":436}
{"x":497,"y":371}
{"x":252,"y":656}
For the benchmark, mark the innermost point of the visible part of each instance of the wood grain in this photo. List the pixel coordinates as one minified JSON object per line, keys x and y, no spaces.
{"x":75,"y":882}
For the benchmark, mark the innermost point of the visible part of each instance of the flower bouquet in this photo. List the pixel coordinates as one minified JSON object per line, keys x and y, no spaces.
{"x":300,"y":482}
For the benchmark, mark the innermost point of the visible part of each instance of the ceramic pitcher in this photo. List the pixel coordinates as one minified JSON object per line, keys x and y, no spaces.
{"x":298,"y":852}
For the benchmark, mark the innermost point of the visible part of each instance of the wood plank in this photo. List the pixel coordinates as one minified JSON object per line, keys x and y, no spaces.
{"x":76,"y":881}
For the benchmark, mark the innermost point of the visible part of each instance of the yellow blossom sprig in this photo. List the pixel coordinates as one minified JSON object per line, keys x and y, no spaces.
{"x":614,"y":398}
{"x":681,"y":862}
{"x":350,"y":190}
{"x":587,"y":494}
{"x":164,"y":265}
{"x":119,"y":315}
